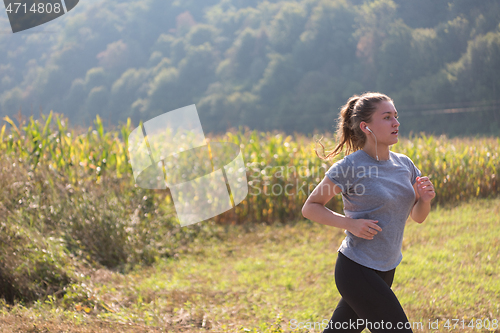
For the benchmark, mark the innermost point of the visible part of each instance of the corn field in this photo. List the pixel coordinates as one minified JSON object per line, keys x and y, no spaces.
{"x":281,"y":170}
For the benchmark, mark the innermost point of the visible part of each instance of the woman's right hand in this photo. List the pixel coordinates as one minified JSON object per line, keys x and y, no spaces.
{"x":363,"y":228}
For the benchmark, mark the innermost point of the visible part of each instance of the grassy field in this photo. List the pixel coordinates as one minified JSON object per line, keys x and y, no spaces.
{"x":257,"y":278}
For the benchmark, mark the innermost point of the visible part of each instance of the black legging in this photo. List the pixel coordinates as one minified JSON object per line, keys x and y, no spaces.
{"x":367,"y":300}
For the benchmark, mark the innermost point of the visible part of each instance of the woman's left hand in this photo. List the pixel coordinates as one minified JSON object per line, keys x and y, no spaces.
{"x":425,"y":189}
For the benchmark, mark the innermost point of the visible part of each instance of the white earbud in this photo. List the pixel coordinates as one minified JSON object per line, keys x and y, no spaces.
{"x":369,"y":129}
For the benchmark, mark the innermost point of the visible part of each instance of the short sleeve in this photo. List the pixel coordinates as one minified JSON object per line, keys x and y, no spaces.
{"x":414,"y":171}
{"x":342,"y":174}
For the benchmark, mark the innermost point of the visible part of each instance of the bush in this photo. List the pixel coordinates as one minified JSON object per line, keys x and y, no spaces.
{"x":31,"y":265}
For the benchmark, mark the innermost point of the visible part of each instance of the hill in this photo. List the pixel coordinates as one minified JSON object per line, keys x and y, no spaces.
{"x":286,"y":65}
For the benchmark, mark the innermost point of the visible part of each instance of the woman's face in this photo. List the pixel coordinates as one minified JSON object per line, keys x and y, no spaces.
{"x":384,"y":124}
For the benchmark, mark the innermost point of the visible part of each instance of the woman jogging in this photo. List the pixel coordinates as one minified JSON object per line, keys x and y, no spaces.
{"x":380,"y":189}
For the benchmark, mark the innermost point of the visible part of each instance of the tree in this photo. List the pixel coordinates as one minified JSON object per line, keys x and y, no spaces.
{"x":327,"y":41}
{"x":373,"y":22}
{"x":286,"y":27}
{"x":475,"y":75}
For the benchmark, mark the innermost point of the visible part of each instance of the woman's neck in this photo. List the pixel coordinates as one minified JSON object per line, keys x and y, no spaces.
{"x":381,"y":150}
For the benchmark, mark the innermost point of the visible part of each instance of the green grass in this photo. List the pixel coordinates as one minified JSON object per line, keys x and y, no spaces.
{"x":249,"y":275}
{"x":454,"y":259}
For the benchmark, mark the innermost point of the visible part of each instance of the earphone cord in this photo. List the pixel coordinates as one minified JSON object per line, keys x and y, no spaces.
{"x":376,"y":152}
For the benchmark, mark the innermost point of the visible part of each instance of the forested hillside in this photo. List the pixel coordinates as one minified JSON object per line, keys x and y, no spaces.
{"x":286,"y":65}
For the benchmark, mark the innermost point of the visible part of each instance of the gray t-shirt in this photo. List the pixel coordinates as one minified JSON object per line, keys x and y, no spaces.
{"x":376,"y":190}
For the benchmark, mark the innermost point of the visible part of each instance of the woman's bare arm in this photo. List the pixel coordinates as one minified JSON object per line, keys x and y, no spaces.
{"x":424,"y":193}
{"x":314,"y":209}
